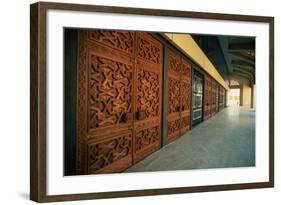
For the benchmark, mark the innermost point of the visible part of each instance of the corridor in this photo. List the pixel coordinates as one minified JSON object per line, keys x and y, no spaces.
{"x":123,"y":101}
{"x":225,"y":140}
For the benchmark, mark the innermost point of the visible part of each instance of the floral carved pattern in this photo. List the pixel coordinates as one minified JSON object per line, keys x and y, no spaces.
{"x":146,"y":137}
{"x":222,"y":97}
{"x":173,"y":126}
{"x":120,"y":40}
{"x":178,"y":96}
{"x":173,"y":95}
{"x":119,"y":86}
{"x":110,"y":91}
{"x":148,"y":51}
{"x":105,"y":153}
{"x":174,"y":63}
{"x":186,"y":68}
{"x":185,"y":122}
{"x":186,"y":90}
{"x":148,"y":93}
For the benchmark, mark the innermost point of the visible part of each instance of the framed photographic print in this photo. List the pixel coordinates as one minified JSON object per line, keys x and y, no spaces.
{"x":134,"y":102}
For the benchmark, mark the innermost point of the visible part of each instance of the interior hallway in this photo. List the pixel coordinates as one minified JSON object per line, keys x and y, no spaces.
{"x":225,"y":140}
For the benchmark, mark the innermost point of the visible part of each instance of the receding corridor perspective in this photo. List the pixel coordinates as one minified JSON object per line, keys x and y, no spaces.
{"x":149,"y":101}
{"x":229,"y":141}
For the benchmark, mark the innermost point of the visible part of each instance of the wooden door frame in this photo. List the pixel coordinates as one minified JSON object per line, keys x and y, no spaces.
{"x":195,"y":70}
{"x":136,"y":123}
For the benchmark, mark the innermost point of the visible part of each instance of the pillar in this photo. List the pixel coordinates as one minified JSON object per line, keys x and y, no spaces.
{"x":252,"y":95}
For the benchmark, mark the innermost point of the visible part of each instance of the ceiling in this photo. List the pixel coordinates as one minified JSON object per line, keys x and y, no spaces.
{"x":234,"y":57}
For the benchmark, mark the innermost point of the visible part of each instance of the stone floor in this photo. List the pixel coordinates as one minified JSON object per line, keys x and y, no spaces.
{"x":225,"y":140}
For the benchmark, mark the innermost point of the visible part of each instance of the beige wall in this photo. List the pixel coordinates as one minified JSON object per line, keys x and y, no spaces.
{"x":254,"y":103}
{"x":186,"y":44}
{"x":246,"y":96}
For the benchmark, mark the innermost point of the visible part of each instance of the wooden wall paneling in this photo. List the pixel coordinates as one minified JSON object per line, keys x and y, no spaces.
{"x":223,"y":97}
{"x":207,"y":97}
{"x":212,"y":96}
{"x":148,"y":95}
{"x":105,"y":101}
{"x":185,"y":96}
{"x":173,"y":96}
{"x":213,"y":104}
{"x":119,"y":103}
{"x":222,"y":92}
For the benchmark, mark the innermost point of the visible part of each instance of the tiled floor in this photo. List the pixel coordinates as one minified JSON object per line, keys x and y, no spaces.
{"x":225,"y":140}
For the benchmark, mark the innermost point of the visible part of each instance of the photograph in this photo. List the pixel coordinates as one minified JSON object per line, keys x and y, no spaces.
{"x":137,"y":101}
{"x":128,"y":102}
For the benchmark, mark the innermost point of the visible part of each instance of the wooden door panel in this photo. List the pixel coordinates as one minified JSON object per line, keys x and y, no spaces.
{"x":109,"y":91}
{"x":185,"y":96}
{"x":173,"y":128}
{"x":123,"y":41}
{"x":213,"y":106}
{"x":113,"y":153}
{"x":148,"y":96}
{"x":222,"y":97}
{"x":148,"y":112}
{"x":147,"y":138}
{"x":174,"y":68}
{"x":104,"y":107}
{"x":208,"y":97}
{"x":149,"y":50}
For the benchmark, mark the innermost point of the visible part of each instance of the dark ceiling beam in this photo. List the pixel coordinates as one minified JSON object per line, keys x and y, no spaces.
{"x":245,"y":46}
{"x":235,"y":55}
{"x":247,"y":68}
{"x":246,"y":80}
{"x":242,"y":63}
{"x":240,"y":74}
{"x":244,"y":70}
{"x":223,"y":41}
{"x":249,"y":74}
{"x":235,"y":72}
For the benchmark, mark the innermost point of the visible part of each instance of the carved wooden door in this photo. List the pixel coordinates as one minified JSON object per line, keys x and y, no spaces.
{"x":222,"y":97}
{"x":105,"y":101}
{"x":185,"y":96}
{"x":207,"y":97}
{"x":178,"y":96}
{"x":214,"y":90}
{"x":119,"y":99}
{"x":174,"y":68}
{"x":148,"y":95}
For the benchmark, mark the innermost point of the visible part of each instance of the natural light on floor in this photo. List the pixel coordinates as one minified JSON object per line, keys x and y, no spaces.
{"x":233,"y":97}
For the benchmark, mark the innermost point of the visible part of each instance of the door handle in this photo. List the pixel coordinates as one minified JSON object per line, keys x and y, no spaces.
{"x":140,"y":115}
{"x":137,"y":115}
{"x":124,"y":117}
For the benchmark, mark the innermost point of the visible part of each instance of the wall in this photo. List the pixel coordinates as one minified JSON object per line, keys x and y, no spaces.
{"x":254,"y":97}
{"x":246,"y":100}
{"x":14,"y":104}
